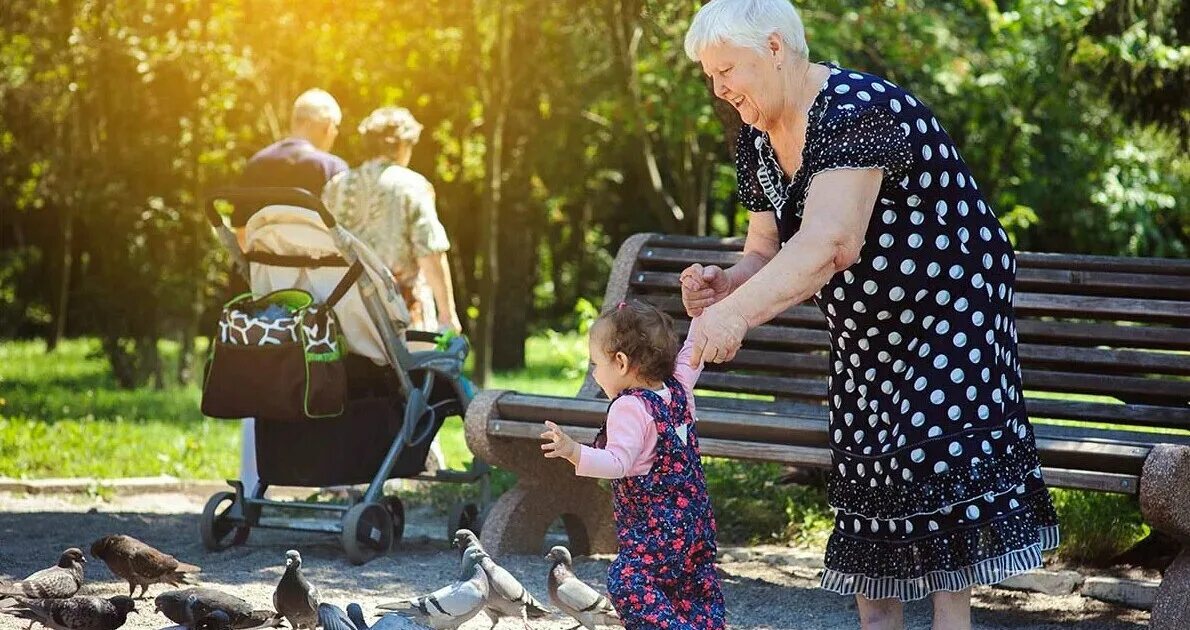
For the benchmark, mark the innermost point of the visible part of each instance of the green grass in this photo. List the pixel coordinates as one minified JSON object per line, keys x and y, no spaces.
{"x":61,"y":415}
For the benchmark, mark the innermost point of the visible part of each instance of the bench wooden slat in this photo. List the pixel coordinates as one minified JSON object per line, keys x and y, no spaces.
{"x":1039,"y":280}
{"x":1056,"y":333}
{"x":820,"y":457}
{"x":1039,"y":304}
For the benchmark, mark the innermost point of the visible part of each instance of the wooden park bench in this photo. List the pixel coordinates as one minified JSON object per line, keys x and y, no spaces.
{"x":1103,"y":340}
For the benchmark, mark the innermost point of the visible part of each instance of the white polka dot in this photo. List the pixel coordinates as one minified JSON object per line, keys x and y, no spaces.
{"x":933,"y":269}
{"x":977,"y":280}
{"x":877,"y":86}
{"x":915,"y":240}
{"x":942,"y":328}
{"x":940,"y":468}
{"x":914,"y":201}
{"x":925,"y":180}
{"x":855,"y":75}
{"x":943,"y":297}
{"x":955,"y":449}
{"x":839,"y":293}
{"x":937,"y":396}
{"x":984,"y":412}
{"x":886,"y":240}
{"x":960,"y":340}
{"x":944,"y":179}
{"x":917,"y":217}
{"x":895,"y":105}
{"x":985,"y":233}
{"x":956,"y":271}
{"x":940,"y":361}
{"x":921,"y":125}
{"x":972,"y":512}
{"x":943,"y":150}
{"x":842,"y":88}
{"x":942,"y":241}
{"x":917,"y":455}
{"x":859,"y":468}
{"x":975,"y":355}
{"x":961,"y":180}
{"x":870,"y":287}
{"x":926,"y":152}
{"x":964,"y":234}
{"x":905,"y":128}
{"x":912,"y":101}
{"x":888,"y":217}
{"x":934,"y":432}
{"x":920,"y":383}
{"x":957,"y":376}
{"x":894,"y":338}
{"x":906,"y":317}
{"x":934,"y":124}
{"x":918,"y":419}
{"x":972,"y":393}
{"x":960,"y":305}
{"x":859,"y":307}
{"x":906,"y":475}
{"x":880,"y":263}
{"x":908,"y":266}
{"x":864,"y":96}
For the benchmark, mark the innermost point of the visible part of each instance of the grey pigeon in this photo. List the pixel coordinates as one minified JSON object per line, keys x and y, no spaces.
{"x":57,"y":582}
{"x":331,"y":617}
{"x":295,"y":598}
{"x":575,"y":597}
{"x":465,"y":538}
{"x":73,"y":613}
{"x":507,"y":597}
{"x":450,"y":606}
{"x":140,"y":564}
{"x":390,"y":621}
{"x":187,"y":606}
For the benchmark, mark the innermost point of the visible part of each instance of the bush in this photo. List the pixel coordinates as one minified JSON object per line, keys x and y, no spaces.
{"x":1096,"y":526}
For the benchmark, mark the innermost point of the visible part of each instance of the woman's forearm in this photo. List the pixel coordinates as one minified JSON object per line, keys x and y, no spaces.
{"x":437,"y":273}
{"x":797,"y":272}
{"x":748,"y":266}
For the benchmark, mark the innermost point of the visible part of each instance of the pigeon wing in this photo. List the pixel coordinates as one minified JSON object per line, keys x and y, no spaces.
{"x":331,"y":617}
{"x":151,"y":563}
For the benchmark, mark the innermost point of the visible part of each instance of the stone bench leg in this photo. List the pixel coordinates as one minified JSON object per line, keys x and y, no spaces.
{"x":546,"y":490}
{"x":1165,"y":502}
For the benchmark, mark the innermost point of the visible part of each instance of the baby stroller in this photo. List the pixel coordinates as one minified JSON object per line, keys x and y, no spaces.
{"x":391,"y":403}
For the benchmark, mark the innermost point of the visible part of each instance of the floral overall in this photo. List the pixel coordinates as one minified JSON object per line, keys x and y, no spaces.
{"x":664,"y":575}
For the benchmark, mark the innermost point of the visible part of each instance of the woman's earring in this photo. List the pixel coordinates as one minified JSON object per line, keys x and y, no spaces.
{"x":778,"y":65}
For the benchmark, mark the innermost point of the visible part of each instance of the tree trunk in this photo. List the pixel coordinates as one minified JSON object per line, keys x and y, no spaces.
{"x":65,"y":265}
{"x":496,"y":90}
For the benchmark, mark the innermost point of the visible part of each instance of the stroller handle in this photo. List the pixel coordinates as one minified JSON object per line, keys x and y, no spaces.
{"x":267,"y":196}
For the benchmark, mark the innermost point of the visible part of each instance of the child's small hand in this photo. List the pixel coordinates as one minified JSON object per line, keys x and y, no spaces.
{"x":558,"y":444}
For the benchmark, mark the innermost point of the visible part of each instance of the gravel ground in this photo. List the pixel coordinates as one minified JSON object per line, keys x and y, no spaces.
{"x":34,"y":530}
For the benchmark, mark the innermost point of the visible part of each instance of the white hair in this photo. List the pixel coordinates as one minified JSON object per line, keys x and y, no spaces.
{"x":747,"y":23}
{"x":316,"y":106}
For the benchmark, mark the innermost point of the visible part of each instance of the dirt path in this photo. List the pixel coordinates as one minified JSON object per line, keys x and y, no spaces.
{"x":33,"y":530}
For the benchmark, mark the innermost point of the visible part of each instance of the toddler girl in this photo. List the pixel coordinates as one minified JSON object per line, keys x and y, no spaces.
{"x":664,"y":575}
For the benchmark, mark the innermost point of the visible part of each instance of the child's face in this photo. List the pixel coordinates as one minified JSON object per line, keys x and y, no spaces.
{"x":610,"y":371}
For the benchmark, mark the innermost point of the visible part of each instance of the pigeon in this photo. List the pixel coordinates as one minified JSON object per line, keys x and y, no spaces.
{"x":575,"y":597}
{"x":390,"y":621}
{"x":187,"y":606}
{"x":295,"y":598}
{"x":57,"y":582}
{"x":450,"y":606}
{"x":73,"y":613}
{"x":507,"y":597}
{"x":465,"y":538}
{"x":140,"y":564}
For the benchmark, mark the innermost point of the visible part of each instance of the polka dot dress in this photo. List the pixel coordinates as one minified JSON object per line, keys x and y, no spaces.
{"x":935,"y":479}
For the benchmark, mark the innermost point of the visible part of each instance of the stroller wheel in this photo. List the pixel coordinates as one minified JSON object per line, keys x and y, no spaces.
{"x":367,"y":531}
{"x":463,"y":516}
{"x":396,"y":509}
{"x":217,"y":530}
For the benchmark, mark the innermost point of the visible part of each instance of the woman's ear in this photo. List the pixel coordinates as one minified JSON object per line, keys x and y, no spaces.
{"x":776,"y":46}
{"x":622,"y":364}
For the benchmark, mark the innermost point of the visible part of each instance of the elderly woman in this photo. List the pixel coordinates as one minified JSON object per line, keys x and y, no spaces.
{"x":391,"y":208}
{"x":860,"y":201}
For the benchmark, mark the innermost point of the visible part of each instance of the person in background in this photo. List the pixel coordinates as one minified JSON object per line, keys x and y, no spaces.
{"x":300,"y":160}
{"x":391,"y":208}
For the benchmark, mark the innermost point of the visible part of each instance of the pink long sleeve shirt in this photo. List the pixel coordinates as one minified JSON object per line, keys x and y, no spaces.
{"x":631,"y":430}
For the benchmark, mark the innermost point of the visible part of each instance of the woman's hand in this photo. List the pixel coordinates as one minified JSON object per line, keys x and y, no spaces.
{"x":718,"y":335}
{"x":558,"y":444}
{"x":702,"y":287}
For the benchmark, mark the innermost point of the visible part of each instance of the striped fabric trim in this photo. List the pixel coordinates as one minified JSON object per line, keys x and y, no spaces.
{"x":989,"y":571}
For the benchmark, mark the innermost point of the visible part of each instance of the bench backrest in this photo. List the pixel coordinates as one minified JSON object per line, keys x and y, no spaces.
{"x":1102,"y":339}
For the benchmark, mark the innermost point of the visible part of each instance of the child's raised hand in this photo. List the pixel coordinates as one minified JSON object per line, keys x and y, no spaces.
{"x":558,"y":444}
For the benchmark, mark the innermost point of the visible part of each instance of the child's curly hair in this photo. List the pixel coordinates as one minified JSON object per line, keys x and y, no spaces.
{"x":644,"y":334}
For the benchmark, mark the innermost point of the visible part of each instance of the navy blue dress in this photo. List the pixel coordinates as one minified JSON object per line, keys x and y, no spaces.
{"x":935,"y":479}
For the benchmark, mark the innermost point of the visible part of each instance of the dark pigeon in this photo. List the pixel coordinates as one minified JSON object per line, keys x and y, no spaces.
{"x":73,"y":613}
{"x":295,"y":598}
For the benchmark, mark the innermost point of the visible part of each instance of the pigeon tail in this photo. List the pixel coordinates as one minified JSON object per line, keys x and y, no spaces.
{"x":535,"y":610}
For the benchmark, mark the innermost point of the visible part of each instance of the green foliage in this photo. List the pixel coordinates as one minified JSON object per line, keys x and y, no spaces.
{"x":1096,"y":526}
{"x":753,"y":507}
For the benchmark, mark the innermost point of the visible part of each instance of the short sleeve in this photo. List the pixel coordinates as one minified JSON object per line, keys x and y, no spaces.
{"x":747,"y":166}
{"x":426,"y":231}
{"x":861,"y":138}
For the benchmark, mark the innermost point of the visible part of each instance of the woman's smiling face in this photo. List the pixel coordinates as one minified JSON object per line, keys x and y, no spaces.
{"x":747,"y":79}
